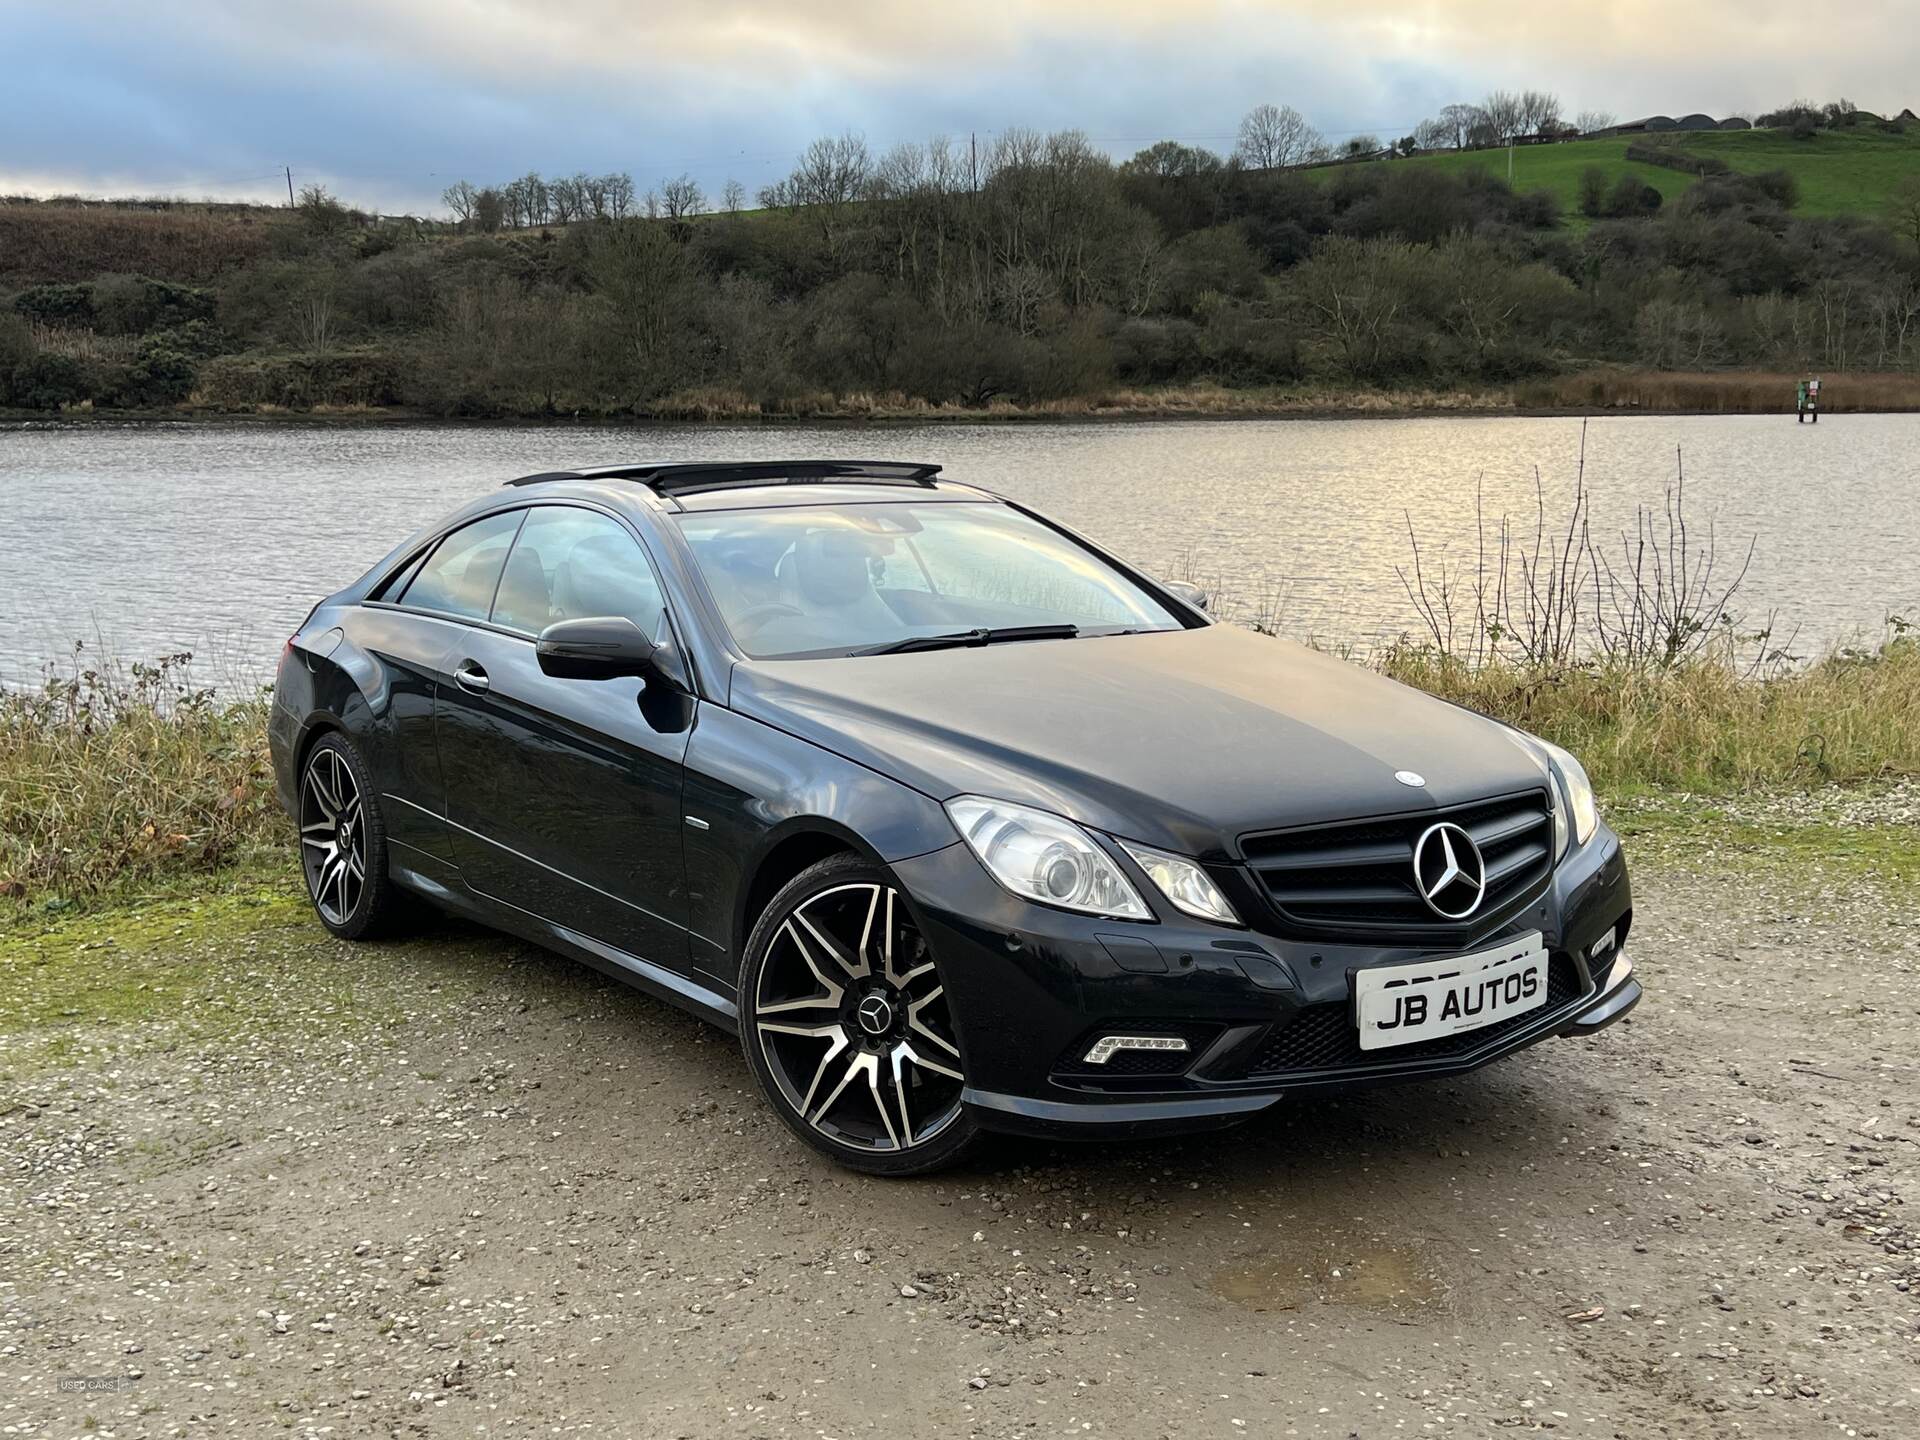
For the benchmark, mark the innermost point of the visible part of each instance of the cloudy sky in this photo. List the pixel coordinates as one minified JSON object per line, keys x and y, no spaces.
{"x":388,"y":101}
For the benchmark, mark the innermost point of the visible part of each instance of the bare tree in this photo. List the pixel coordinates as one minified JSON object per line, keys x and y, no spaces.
{"x":1504,"y":114}
{"x":832,"y":174}
{"x":617,"y":195}
{"x":1352,"y":294}
{"x":1275,"y":135}
{"x":1539,"y":112}
{"x":733,"y":197}
{"x":528,"y":200}
{"x":593,"y":196}
{"x":568,"y":195}
{"x":682,"y":198}
{"x":459,"y":197}
{"x":1588,"y":121}
{"x":315,"y":313}
{"x":1451,"y":129}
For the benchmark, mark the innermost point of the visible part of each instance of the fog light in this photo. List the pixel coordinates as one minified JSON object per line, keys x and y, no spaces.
{"x":1107,"y":1046}
{"x":1601,"y":946}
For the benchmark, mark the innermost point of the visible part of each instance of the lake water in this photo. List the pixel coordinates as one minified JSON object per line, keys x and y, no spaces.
{"x":152,"y":537}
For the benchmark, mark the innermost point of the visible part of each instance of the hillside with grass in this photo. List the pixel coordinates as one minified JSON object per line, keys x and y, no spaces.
{"x":1854,"y":172}
{"x":1048,"y":280}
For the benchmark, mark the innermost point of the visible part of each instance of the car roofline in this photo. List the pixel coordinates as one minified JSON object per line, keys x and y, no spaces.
{"x":695,"y":477}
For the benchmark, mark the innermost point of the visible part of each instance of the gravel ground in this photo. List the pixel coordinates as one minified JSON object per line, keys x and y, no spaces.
{"x":254,"y":1181}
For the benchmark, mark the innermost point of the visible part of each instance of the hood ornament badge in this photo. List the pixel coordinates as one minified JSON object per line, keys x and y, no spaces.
{"x":1449,"y":871}
{"x":1410,"y":777}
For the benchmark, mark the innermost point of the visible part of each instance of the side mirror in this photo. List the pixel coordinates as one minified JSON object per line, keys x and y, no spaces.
{"x":1188,"y":592}
{"x":600,"y":647}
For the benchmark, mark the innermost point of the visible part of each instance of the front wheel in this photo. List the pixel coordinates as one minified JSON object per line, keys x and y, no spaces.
{"x":343,"y":843}
{"x":847,"y":1026}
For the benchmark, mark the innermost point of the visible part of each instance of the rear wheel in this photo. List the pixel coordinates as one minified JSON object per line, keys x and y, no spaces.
{"x":343,"y":843}
{"x":847,"y":1026}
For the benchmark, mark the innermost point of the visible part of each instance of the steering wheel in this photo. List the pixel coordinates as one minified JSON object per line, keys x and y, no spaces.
{"x":754,"y":616}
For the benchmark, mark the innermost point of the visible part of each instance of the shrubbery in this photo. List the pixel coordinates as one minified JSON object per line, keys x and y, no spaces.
{"x":1670,"y":158}
{"x":1060,"y":275}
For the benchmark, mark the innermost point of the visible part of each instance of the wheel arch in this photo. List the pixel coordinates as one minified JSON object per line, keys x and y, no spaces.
{"x":800,"y":843}
{"x":316,"y":729}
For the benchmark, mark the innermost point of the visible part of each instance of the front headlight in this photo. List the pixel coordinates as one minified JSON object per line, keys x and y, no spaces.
{"x":1044,"y":857}
{"x":1187,"y":887}
{"x":1576,"y":791}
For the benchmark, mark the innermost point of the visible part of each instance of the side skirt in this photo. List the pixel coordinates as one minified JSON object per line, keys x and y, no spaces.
{"x":440,"y":883}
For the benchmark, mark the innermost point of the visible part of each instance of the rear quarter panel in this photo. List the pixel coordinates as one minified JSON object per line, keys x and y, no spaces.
{"x":349,"y":670}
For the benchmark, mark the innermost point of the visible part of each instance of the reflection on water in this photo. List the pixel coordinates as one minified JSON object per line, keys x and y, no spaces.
{"x":217,"y":537}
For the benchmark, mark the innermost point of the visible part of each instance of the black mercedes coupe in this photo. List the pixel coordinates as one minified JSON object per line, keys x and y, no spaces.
{"x":962,"y":823}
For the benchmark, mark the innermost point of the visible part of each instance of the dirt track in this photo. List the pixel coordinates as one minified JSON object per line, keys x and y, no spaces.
{"x":457,"y":1186}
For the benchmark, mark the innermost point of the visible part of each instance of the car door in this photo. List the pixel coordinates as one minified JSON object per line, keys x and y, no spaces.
{"x":409,"y":627}
{"x":565,"y":794}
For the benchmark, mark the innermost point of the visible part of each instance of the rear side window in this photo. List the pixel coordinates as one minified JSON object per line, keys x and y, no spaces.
{"x":395,"y":584}
{"x":460,"y":576}
{"x":570,"y":564}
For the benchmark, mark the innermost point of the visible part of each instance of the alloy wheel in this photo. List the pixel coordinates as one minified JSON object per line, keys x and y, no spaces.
{"x":333,"y":835}
{"x":852,"y":1020}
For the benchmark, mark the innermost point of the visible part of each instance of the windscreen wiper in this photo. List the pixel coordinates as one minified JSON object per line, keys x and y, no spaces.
{"x":982,"y":636}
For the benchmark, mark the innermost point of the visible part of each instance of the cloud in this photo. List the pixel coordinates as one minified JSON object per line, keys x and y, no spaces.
{"x":389,"y":100}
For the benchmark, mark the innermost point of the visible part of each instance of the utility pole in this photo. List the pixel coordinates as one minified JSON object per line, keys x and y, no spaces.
{"x":1509,"y":162}
{"x":289,"y":187}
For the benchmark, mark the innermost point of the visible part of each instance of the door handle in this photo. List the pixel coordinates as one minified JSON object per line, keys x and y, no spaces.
{"x":471,"y":678}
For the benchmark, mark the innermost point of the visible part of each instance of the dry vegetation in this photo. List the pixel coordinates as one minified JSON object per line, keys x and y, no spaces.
{"x":1705,"y":725}
{"x":40,"y":242}
{"x":112,"y":777}
{"x":1741,"y":392}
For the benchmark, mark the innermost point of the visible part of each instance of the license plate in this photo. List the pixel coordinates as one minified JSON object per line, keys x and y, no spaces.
{"x":1404,"y":1004}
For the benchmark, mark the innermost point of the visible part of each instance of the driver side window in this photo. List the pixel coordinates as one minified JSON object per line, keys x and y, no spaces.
{"x":570,"y":564}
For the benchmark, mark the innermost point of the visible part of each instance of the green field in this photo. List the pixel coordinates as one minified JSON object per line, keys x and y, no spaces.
{"x":1845,"y":172}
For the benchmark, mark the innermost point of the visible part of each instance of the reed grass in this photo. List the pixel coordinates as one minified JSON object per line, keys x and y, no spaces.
{"x":1707,"y":724}
{"x":113,"y":776}
{"x":1741,"y":392}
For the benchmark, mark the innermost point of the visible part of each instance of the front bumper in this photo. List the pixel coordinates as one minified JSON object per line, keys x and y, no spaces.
{"x":1264,"y":1014}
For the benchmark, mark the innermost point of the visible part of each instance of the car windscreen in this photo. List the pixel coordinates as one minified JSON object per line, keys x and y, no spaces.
{"x":840,"y":579}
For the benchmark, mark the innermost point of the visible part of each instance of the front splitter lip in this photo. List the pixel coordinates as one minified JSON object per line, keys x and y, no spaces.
{"x":1617,"y":996}
{"x":1018,"y":1114}
{"x":1096,"y":1118}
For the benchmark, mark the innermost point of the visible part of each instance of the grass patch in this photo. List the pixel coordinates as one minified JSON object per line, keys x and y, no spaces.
{"x":1701,"y":725}
{"x":1557,"y":168}
{"x":1790,"y":836}
{"x":1839,"y":172}
{"x":130,"y":962}
{"x":243,"y":972}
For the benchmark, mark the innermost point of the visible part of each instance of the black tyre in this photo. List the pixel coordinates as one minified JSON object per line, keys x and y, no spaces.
{"x":845,"y":1023}
{"x":343,"y":843}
